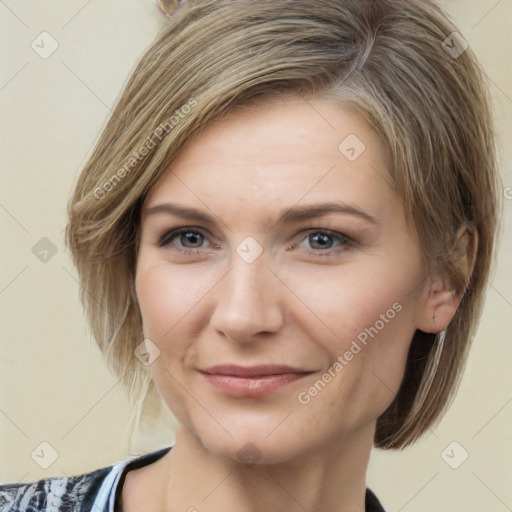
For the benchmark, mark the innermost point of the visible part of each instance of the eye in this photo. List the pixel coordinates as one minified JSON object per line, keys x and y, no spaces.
{"x":324,"y":243}
{"x":189,"y":240}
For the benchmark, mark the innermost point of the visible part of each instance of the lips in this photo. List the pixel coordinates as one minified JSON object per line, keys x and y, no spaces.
{"x":251,"y":381}
{"x":264,"y":370}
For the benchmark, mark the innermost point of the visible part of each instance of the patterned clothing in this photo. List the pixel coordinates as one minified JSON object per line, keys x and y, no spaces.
{"x":97,"y":491}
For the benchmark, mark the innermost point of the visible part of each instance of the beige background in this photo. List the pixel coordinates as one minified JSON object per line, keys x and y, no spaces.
{"x":55,"y":387}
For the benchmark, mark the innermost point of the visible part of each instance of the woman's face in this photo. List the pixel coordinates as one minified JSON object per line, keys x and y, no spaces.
{"x":278,"y":278}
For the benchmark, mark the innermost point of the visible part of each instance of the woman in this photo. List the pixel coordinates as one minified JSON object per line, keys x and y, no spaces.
{"x":286,"y":227}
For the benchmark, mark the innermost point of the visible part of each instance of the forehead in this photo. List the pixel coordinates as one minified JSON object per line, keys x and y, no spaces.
{"x":280,"y":154}
{"x":266,"y":132}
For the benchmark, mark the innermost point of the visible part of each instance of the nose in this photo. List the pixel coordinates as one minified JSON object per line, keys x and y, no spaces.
{"x":248,"y":301}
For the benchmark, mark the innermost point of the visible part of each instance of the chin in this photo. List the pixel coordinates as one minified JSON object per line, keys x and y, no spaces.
{"x":254,"y":443}
{"x":243,"y":441}
{"x":250,"y":450}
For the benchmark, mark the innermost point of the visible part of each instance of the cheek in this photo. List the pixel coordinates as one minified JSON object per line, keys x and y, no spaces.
{"x":168,"y":300}
{"x":168,"y":297}
{"x":365,"y":316}
{"x":369,"y":301}
{"x":170,"y":304}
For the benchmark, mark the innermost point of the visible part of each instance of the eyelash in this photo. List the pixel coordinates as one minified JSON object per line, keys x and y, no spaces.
{"x":345,"y":241}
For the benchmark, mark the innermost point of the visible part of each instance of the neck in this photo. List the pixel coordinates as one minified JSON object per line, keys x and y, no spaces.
{"x":331,"y":480}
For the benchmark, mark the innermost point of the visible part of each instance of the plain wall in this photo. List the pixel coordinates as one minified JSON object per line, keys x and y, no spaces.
{"x":55,"y":387}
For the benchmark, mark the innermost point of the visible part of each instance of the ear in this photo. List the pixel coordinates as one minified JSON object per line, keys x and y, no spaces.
{"x":441,"y":297}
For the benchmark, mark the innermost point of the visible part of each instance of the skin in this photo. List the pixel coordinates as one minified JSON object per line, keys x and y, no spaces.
{"x":290,"y":306}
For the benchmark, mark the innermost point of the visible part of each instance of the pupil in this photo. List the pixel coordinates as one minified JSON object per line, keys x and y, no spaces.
{"x":193,"y":238}
{"x":322,"y":240}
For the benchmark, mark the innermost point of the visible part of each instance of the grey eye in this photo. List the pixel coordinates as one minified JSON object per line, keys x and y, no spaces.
{"x":191,"y":237}
{"x":321,"y":241}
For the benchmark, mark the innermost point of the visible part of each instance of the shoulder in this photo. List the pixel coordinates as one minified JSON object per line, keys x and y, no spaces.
{"x":79,"y":493}
{"x":372,"y":503}
{"x":56,"y":494}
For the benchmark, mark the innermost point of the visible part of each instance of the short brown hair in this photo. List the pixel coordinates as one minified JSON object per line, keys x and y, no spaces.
{"x":400,"y":63}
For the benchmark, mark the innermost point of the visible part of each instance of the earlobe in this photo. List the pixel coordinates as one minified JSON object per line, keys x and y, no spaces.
{"x":439,"y":307}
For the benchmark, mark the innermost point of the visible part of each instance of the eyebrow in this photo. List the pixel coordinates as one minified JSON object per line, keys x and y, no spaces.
{"x":286,"y":216}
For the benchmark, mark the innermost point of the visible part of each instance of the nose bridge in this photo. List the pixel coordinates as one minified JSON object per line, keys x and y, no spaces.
{"x":248,"y":300}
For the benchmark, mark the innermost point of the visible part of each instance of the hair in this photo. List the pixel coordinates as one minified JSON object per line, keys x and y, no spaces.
{"x":388,"y":59}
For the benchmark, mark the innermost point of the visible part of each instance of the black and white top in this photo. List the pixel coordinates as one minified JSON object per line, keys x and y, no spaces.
{"x":98,"y":491}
